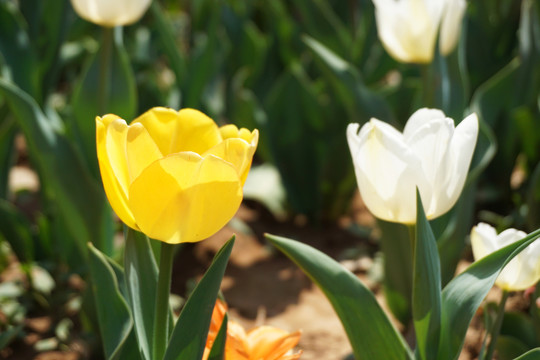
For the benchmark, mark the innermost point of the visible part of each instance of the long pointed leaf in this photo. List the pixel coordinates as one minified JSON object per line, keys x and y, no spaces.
{"x":218,"y":348}
{"x":81,"y":202}
{"x":464,"y":294}
{"x":426,"y":286}
{"x":370,"y":332}
{"x":189,"y":335}
{"x":141,"y":280}
{"x":115,"y":321}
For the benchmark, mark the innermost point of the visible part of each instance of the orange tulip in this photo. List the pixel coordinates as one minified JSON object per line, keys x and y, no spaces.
{"x":261,"y":343}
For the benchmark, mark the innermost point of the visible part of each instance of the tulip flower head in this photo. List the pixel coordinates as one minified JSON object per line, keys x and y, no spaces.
{"x":408,"y":28}
{"x":261,"y":343}
{"x":174,"y":175}
{"x":523,"y":271}
{"x":431,"y":155}
{"x":111,"y":13}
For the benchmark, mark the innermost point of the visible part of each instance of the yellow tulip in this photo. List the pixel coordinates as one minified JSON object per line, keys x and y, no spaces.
{"x":261,"y":343}
{"x":174,"y":175}
{"x":111,"y":13}
{"x":523,"y":271}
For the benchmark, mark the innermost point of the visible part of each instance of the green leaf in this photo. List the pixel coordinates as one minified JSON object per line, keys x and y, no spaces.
{"x":464,"y":294}
{"x":361,"y":103}
{"x":16,"y":49}
{"x":8,"y":130}
{"x":371,"y":333}
{"x":115,"y":321}
{"x":9,"y":335}
{"x":189,"y":335}
{"x":218,"y":348}
{"x":533,"y":354}
{"x":81,"y":201}
{"x":16,"y":229}
{"x":141,"y":279}
{"x":106,"y":87}
{"x":426,"y":296}
{"x":398,"y":269}
{"x":509,"y":347}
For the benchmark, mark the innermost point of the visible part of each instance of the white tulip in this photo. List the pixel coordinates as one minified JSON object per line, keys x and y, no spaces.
{"x":111,"y":12}
{"x":408,"y":28}
{"x":430,"y":155}
{"x":523,"y":271}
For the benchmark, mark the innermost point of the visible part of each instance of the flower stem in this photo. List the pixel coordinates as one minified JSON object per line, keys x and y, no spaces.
{"x":496,"y":328}
{"x":161,"y":321}
{"x":104,"y":69}
{"x":412,"y":236}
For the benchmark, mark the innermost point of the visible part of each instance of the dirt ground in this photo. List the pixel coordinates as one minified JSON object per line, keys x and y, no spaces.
{"x":262,"y":286}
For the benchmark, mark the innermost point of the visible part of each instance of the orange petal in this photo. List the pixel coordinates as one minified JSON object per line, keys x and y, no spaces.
{"x":270,"y":343}
{"x":184,"y":197}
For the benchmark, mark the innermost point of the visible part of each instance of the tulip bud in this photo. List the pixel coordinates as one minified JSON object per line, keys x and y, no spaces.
{"x":408,"y":28}
{"x":523,"y":271}
{"x":111,"y":13}
{"x":174,"y":175}
{"x":430,"y":155}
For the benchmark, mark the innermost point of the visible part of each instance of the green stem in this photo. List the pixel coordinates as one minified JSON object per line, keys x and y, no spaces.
{"x":104,"y":69}
{"x":428,"y":88}
{"x":412,"y":237}
{"x":496,"y":328}
{"x":161,"y":321}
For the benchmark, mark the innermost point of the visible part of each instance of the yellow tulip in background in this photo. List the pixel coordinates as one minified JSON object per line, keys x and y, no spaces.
{"x":430,"y":154}
{"x":174,"y":175}
{"x":523,"y":271}
{"x":111,"y":13}
{"x":408,"y":28}
{"x":260,"y":343}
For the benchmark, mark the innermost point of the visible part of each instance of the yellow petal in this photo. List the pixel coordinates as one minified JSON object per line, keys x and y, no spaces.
{"x":141,"y":150}
{"x":270,"y":343}
{"x":184,"y":197}
{"x":185,"y":130}
{"x":238,"y":152}
{"x":113,"y":166}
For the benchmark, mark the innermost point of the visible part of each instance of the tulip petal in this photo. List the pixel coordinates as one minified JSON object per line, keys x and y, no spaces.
{"x":460,"y":152}
{"x":111,"y":134}
{"x":111,"y":13}
{"x":451,"y":25}
{"x":418,"y":119}
{"x":270,"y":343}
{"x":141,"y":150}
{"x":184,"y":197}
{"x":177,"y":131}
{"x":237,"y":150}
{"x":408,"y":29}
{"x":387,"y":171}
{"x":483,"y":240}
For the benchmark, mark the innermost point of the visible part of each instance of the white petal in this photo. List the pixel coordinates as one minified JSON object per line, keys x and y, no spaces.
{"x":111,"y":13}
{"x":419,"y":118}
{"x":451,"y":25}
{"x":460,"y":153}
{"x":385,"y":170}
{"x":483,"y":240}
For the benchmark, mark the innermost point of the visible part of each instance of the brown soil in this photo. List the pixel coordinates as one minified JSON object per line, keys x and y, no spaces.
{"x":262,"y":286}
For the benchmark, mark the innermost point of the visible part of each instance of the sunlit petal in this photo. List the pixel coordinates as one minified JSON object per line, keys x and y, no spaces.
{"x":112,"y":165}
{"x":184,"y":197}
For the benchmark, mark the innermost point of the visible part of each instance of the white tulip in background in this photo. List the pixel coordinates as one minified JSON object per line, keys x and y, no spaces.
{"x":408,"y":28}
{"x":430,"y":154}
{"x":111,"y":12}
{"x":523,"y":271}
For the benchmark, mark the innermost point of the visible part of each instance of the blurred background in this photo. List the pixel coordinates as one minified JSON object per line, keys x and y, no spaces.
{"x":299,"y":71}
